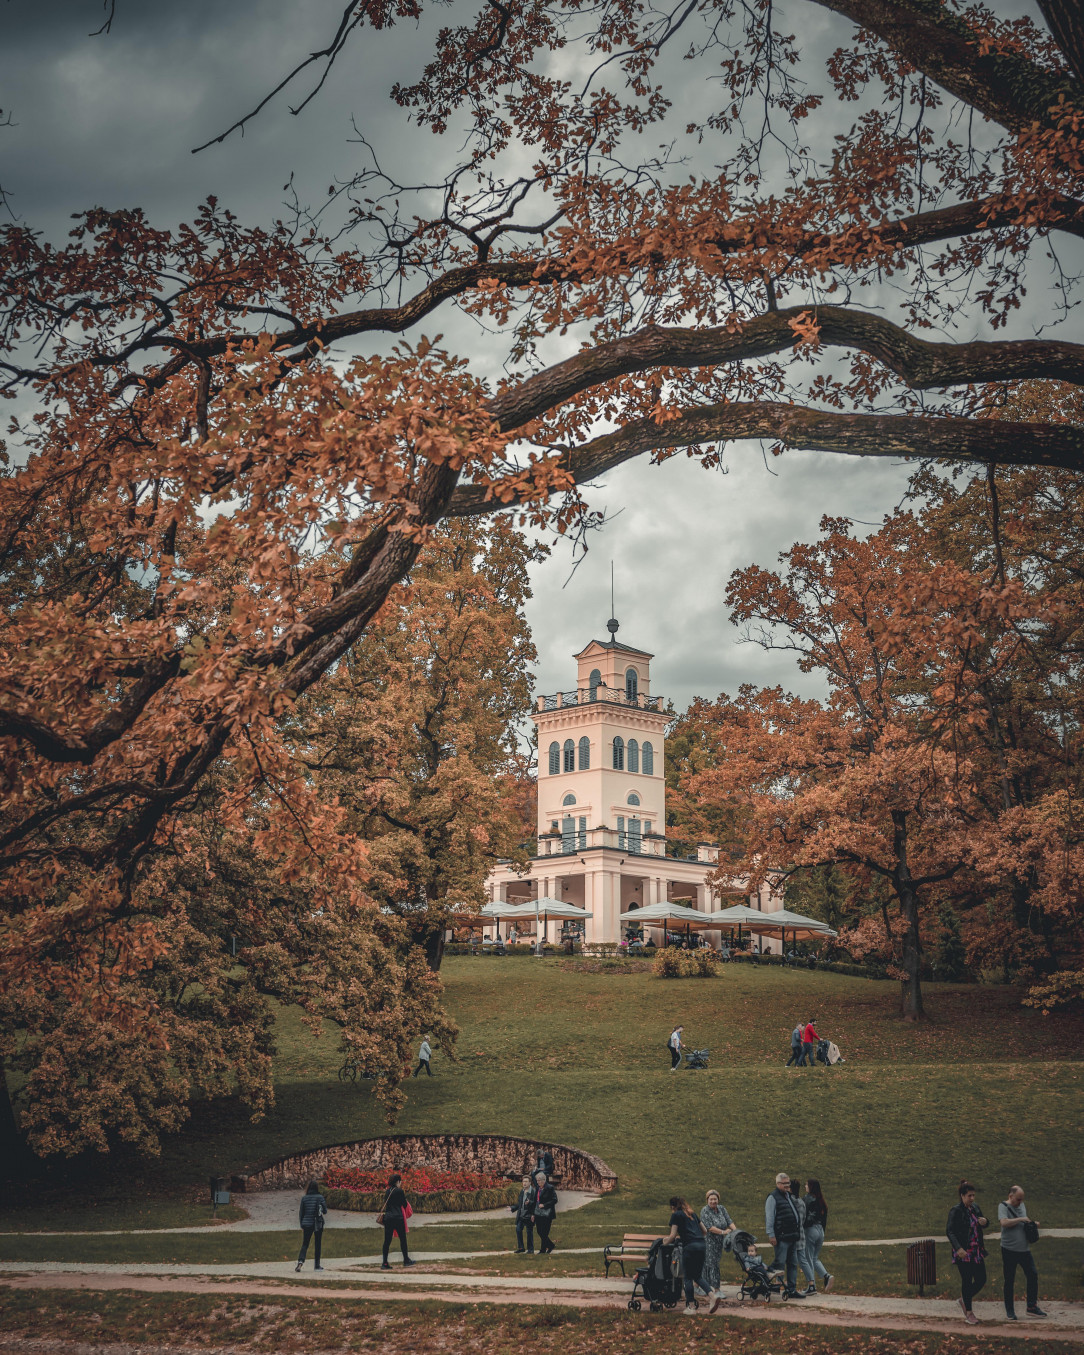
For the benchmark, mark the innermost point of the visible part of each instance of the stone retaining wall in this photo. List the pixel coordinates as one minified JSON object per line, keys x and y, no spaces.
{"x":450,"y":1152}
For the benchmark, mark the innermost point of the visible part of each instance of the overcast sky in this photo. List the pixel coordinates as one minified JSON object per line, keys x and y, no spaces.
{"x":111,"y":121}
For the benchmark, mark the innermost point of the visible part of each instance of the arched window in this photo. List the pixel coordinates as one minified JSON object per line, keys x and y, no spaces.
{"x":585,"y":753}
{"x":633,"y":799}
{"x":649,"y":759}
{"x":619,"y":753}
{"x":569,"y":800}
{"x":632,"y":685}
{"x":555,"y":759}
{"x":634,"y":756}
{"x":594,"y":682}
{"x":570,"y":756}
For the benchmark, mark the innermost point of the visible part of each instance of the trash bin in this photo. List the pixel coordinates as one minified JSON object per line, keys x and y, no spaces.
{"x":220,"y":1192}
{"x":922,"y":1264}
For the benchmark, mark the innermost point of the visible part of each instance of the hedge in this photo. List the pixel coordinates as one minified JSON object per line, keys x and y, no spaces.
{"x":437,"y":1202}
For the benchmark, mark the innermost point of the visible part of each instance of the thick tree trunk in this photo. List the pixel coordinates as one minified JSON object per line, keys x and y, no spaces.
{"x":911,"y":1008}
{"x":13,"y":1147}
{"x":434,"y":949}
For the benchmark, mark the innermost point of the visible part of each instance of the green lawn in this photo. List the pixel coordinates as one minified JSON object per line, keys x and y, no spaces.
{"x":579,"y":1059}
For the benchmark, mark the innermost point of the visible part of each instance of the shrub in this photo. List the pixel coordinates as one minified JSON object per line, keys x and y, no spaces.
{"x":672,"y":963}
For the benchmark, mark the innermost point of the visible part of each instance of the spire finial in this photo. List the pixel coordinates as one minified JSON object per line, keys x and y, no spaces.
{"x":612,"y":624}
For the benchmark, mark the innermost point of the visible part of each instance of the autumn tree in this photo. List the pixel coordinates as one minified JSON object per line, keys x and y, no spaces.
{"x":416,"y":732}
{"x":219,"y":470}
{"x":872,"y":776}
{"x":944,"y":761}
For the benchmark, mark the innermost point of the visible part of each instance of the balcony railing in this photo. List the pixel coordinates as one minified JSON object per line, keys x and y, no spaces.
{"x":587,"y":696}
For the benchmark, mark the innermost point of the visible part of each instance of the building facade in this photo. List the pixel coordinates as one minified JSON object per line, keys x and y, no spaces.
{"x":602,"y":802}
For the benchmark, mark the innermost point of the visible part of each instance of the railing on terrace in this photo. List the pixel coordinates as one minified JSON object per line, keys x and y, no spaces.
{"x":586,"y":696}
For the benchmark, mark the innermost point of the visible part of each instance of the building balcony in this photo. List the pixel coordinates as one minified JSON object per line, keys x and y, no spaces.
{"x":632,"y":844}
{"x":592,"y":696}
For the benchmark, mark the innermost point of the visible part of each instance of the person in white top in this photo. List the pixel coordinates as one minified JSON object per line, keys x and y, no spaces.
{"x":424,"y":1055}
{"x":674,"y":1043}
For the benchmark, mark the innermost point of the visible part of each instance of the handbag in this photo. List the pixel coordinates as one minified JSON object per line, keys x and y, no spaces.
{"x":1031,"y":1232}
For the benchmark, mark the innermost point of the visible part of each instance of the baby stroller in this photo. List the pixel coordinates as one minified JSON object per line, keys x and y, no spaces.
{"x":756,"y":1281}
{"x":696,"y":1058}
{"x":659,"y":1281}
{"x":828,"y":1053}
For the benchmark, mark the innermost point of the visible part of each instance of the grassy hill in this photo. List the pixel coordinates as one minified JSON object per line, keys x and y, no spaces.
{"x":985,"y":1088}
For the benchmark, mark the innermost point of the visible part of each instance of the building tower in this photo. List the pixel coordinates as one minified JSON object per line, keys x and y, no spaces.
{"x":602,"y":801}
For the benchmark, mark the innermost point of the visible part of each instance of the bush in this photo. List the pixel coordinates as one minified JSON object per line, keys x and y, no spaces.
{"x":672,"y":963}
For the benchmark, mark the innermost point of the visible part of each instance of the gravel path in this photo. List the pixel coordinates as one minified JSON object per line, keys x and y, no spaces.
{"x":1065,"y":1321}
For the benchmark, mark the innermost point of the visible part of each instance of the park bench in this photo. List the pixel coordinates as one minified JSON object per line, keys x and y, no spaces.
{"x":634,"y":1247}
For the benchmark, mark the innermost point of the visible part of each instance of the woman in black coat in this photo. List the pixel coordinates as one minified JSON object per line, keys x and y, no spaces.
{"x":310,"y":1216}
{"x":964,"y":1230}
{"x":393,"y":1217}
{"x":545,"y":1210}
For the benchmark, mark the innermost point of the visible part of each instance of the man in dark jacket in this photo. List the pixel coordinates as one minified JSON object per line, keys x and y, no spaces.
{"x":524,"y":1212}
{"x":796,"y":1046}
{"x":784,"y":1229}
{"x":310,"y":1216}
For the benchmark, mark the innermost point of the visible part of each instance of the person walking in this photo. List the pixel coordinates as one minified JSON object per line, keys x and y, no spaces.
{"x":964,"y":1231}
{"x":393,"y":1215}
{"x":1013,"y":1221}
{"x":783,"y":1228}
{"x":809,"y":1042}
{"x":545,"y":1211}
{"x":425,"y":1053}
{"x":674,"y":1045}
{"x":716,"y":1223}
{"x":310,"y":1215}
{"x":524,"y":1212}
{"x":816,"y":1220}
{"x":804,"y":1262}
{"x":796,"y":1056}
{"x":687,"y":1229}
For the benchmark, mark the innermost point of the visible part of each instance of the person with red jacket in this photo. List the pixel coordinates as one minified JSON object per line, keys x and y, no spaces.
{"x":809,"y":1042}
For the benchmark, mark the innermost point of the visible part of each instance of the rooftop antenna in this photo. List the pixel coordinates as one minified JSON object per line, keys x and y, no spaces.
{"x":612,"y":625}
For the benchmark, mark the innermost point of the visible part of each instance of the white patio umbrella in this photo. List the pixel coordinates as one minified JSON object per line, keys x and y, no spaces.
{"x":782,"y":921}
{"x":659,"y":914}
{"x":542,"y":909}
{"x":500,"y":910}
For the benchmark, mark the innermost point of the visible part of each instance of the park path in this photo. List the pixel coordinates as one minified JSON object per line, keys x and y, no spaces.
{"x":274,"y":1211}
{"x":1065,"y":1321}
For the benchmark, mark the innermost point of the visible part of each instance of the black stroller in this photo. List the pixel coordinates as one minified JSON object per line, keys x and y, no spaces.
{"x":659,"y":1281}
{"x":696,"y":1058}
{"x":828,"y":1053}
{"x":756,"y":1280}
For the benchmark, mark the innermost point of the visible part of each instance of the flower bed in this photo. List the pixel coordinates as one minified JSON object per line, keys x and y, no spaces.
{"x":431,"y":1191}
{"x":437,"y":1202}
{"x":416,"y":1180}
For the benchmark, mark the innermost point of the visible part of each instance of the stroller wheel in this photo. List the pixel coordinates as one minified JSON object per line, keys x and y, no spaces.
{"x":656,"y":1307}
{"x":635,"y":1305}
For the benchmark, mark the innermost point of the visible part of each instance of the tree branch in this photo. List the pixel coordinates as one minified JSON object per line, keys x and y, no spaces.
{"x":923,"y":365}
{"x":1004,"y":86}
{"x":884,"y":435}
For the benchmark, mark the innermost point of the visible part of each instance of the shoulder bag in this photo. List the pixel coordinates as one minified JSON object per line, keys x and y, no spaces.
{"x":1031,"y":1229}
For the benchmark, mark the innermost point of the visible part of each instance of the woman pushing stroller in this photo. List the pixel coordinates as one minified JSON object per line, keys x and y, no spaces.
{"x":687,"y":1229}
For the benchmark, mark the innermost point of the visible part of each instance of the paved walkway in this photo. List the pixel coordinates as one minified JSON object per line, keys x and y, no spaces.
{"x":1065,"y":1321}
{"x":274,"y":1211}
